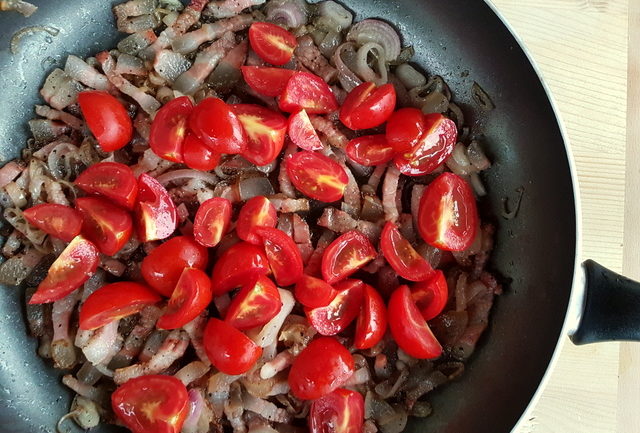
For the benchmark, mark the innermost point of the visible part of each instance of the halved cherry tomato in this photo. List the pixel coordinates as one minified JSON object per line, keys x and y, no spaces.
{"x":322,"y":367}
{"x":370,"y":150}
{"x":107,"y":119}
{"x":404,"y":128}
{"x":254,"y":305}
{"x":57,"y":220}
{"x":265,"y":132}
{"x":402,"y":257}
{"x":313,"y":292}
{"x":368,"y":106}
{"x":198,"y":155}
{"x":105,"y":224}
{"x":341,"y":411}
{"x":317,"y":176}
{"x":238,"y":266}
{"x":155,"y":213}
{"x":115,"y":301}
{"x":306,"y":91}
{"x":302,"y":132}
{"x":112,"y":180}
{"x":409,"y":328}
{"x":341,"y":311}
{"x":228,"y":349}
{"x":161,"y":268}
{"x":272,"y":43}
{"x":78,"y":261}
{"x":151,"y":404}
{"x":212,"y":221}
{"x":266,"y":81}
{"x":283,"y":254}
{"x":372,"y":321}
{"x":169,"y":129}
{"x":432,"y":149}
{"x":345,"y":255}
{"x":190,"y":297}
{"x":214,"y":122}
{"x":431,"y":296}
{"x":448,"y":216}
{"x":256,"y":212}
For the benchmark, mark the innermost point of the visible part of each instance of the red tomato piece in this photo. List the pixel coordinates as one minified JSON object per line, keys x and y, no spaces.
{"x":155,"y":213}
{"x":105,"y":224}
{"x":368,"y":106}
{"x":322,"y":367}
{"x":57,"y":220}
{"x":341,"y":411}
{"x":214,"y":122}
{"x":112,"y":180}
{"x":169,"y":129}
{"x":161,"y":268}
{"x":306,"y":91}
{"x":409,"y":328}
{"x":151,"y":404}
{"x":401,"y":255}
{"x":266,"y":81}
{"x":447,"y":215}
{"x":313,"y":292}
{"x":254,"y":305}
{"x":255,"y":213}
{"x":283,"y":254}
{"x":265,"y":131}
{"x":107,"y":119}
{"x":115,"y":301}
{"x":431,"y":296}
{"x":432,"y":149}
{"x":341,"y":311}
{"x":197,"y":155}
{"x":272,"y":43}
{"x":78,"y":261}
{"x":345,"y":255}
{"x":238,"y":266}
{"x":317,"y":176}
{"x":404,"y":129}
{"x":212,"y":221}
{"x":302,"y":132}
{"x":228,"y":349}
{"x":190,"y":297}
{"x":370,"y":150}
{"x":372,"y":321}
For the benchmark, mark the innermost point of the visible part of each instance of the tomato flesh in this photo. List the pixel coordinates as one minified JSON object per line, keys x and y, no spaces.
{"x":238,"y":266}
{"x":212,"y":221}
{"x":190,"y":297}
{"x":302,"y":132}
{"x":155,"y":213}
{"x":401,"y":255}
{"x":313,"y":292}
{"x":169,"y":129}
{"x":341,"y":411}
{"x":214,"y":122}
{"x":105,"y":224}
{"x":404,"y":129}
{"x":112,"y":180}
{"x":255,"y":304}
{"x":372,"y":321}
{"x":107,"y":119}
{"x":368,"y":106}
{"x":257,"y":212}
{"x":283,"y":254}
{"x":431,"y":296}
{"x":272,"y":43}
{"x":306,"y":91}
{"x":345,"y":255}
{"x":266,"y":81}
{"x":370,"y":150}
{"x":341,"y":311}
{"x":265,"y":130}
{"x":317,"y":176}
{"x":57,"y":220}
{"x":197,"y":155}
{"x":228,"y":349}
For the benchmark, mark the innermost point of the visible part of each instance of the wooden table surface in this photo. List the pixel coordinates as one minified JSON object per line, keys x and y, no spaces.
{"x":589,"y":54}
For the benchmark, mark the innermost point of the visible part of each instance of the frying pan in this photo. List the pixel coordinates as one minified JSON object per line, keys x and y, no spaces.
{"x":464,"y":42}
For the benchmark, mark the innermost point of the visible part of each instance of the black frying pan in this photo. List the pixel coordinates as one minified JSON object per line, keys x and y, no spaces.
{"x":463,"y":41}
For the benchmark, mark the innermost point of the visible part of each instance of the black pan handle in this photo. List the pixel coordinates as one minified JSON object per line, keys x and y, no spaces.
{"x":611,"y":307}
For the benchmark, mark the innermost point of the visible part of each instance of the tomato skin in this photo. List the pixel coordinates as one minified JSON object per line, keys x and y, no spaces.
{"x":169,"y":128}
{"x":302,"y":132}
{"x":401,"y":255}
{"x":161,"y":268}
{"x":341,"y":411}
{"x":228,"y":349}
{"x":59,"y":221}
{"x":272,"y":43}
{"x":265,"y":80}
{"x":323,"y":366}
{"x":212,"y":221}
{"x":341,"y":311}
{"x":265,"y":130}
{"x":115,"y":301}
{"x":306,"y":91}
{"x":317,"y":176}
{"x":155,"y":213}
{"x":409,"y":328}
{"x":151,"y":404}
{"x":77,"y":262}
{"x":238,"y":266}
{"x":283,"y":254}
{"x":370,"y":150}
{"x":254,"y":305}
{"x":345,"y":255}
{"x":108,"y":226}
{"x":255,"y":213}
{"x":197,"y":155}
{"x":214,"y":122}
{"x":107,"y":119}
{"x":112,"y":180}
{"x":404,"y":128}
{"x":372,"y":321}
{"x":190,"y":297}
{"x":368,"y":106}
{"x":448,"y":215}
{"x":312,"y":292}
{"x":431,"y":296}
